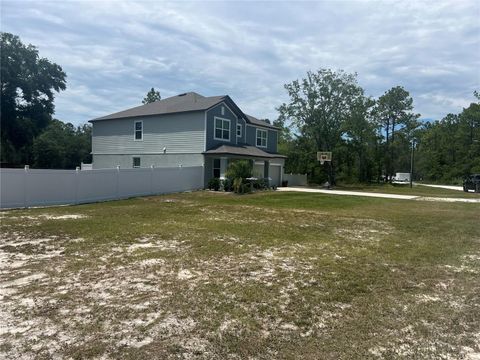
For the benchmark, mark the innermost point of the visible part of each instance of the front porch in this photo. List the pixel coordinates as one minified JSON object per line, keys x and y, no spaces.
{"x":265,"y":165}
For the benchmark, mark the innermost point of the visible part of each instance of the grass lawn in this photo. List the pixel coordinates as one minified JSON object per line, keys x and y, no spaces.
{"x":264,"y":276}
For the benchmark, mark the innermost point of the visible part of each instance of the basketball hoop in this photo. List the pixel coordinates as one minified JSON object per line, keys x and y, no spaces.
{"x":324,"y":156}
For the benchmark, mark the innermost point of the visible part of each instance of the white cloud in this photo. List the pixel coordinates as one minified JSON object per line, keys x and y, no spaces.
{"x":114,"y":51}
{"x":42,"y":16}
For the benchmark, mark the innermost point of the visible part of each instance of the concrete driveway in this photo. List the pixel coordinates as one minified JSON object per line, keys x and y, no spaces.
{"x":376,"y":195}
{"x":449,"y":187}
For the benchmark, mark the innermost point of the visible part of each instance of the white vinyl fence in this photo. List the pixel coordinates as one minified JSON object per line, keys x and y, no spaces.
{"x":38,"y":187}
{"x":295,"y":179}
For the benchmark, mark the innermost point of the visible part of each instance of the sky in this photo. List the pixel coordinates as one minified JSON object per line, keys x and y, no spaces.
{"x":114,"y":51}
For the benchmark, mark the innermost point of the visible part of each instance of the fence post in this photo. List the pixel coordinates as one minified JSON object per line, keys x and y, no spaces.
{"x":151,"y":179}
{"x":117,"y":187}
{"x":77,"y":169}
{"x":181,"y":177}
{"x":25,"y":186}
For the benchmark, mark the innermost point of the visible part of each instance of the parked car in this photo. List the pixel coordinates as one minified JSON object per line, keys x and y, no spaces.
{"x":472,"y":182}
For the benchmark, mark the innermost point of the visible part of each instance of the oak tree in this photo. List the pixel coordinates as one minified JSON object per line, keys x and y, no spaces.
{"x":28,"y":84}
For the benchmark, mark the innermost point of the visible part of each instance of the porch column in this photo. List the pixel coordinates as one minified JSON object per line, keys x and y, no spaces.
{"x":266,"y":166}
{"x":223,"y":167}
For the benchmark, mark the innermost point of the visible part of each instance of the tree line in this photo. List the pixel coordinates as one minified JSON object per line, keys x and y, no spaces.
{"x":29,"y":133}
{"x":371,"y":139}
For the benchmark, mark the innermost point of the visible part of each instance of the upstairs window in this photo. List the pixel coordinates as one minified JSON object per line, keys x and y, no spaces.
{"x":261,"y":138}
{"x":239,"y":130}
{"x":138,"y":130}
{"x":222,"y":129}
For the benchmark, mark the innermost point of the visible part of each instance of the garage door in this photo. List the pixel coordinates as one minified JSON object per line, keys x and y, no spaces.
{"x":275,"y":174}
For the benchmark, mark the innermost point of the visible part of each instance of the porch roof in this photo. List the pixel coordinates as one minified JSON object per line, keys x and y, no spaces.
{"x":243,"y":151}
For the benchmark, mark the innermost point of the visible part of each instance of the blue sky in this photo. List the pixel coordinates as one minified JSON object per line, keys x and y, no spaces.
{"x":114,"y":51}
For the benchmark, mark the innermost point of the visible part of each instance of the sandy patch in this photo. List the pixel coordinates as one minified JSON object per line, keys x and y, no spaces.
{"x":151,"y":262}
{"x":424,"y":298}
{"x":173,"y":325}
{"x":48,"y":217}
{"x":444,"y":199}
{"x":63,"y":217}
{"x":185,"y":274}
{"x":289,"y":327}
{"x":150,"y":243}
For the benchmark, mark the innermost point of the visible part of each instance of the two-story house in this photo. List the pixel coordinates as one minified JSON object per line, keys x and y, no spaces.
{"x":187,"y":130}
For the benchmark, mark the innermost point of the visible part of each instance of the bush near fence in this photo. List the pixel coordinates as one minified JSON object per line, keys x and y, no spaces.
{"x":40,"y":187}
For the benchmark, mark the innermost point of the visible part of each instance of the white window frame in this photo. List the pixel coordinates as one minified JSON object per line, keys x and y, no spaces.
{"x":215,"y":128}
{"x":239,"y":127}
{"x":139,"y":160}
{"x":261,"y":138}
{"x":135,"y":130}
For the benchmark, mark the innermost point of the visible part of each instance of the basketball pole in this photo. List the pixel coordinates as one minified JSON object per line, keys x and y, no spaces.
{"x":326,"y":156}
{"x":330,"y":175}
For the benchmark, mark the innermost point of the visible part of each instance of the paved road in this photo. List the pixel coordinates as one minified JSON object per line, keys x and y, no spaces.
{"x":377,"y":195}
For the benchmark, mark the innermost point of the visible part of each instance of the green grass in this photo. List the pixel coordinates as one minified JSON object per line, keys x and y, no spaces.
{"x":267,"y":275}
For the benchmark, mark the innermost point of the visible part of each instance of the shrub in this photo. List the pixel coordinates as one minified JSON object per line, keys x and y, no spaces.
{"x":260,"y":184}
{"x":228,"y":184}
{"x":241,"y":187}
{"x":239,"y":169}
{"x":214,"y":184}
{"x":237,"y":185}
{"x":246,"y":188}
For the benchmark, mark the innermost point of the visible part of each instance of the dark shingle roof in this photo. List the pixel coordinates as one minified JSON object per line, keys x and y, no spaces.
{"x":190,"y":101}
{"x":180,"y":103}
{"x":242,"y":150}
{"x":259,"y":122}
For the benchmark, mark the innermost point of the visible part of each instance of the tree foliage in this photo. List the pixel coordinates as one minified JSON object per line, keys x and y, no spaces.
{"x":151,"y":96}
{"x":371,"y":139}
{"x":28,"y":83}
{"x":449,"y":149}
{"x":360,"y":141}
{"x":319,"y":106}
{"x":239,"y":169}
{"x":394,"y":113}
{"x":62,"y":146}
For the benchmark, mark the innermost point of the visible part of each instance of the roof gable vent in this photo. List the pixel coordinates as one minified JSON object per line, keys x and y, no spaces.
{"x":182,"y":94}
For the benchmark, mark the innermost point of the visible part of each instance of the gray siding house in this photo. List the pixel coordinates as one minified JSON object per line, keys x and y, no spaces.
{"x":187,"y":130}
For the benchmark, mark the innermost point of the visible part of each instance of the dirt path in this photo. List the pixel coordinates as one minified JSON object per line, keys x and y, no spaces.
{"x":378,"y":195}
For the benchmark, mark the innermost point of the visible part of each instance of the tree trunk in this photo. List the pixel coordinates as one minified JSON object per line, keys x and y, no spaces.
{"x":387,"y":148}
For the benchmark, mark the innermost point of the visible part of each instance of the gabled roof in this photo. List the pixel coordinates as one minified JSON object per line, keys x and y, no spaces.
{"x":255,"y":121}
{"x":242,"y":150}
{"x":190,"y":101}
